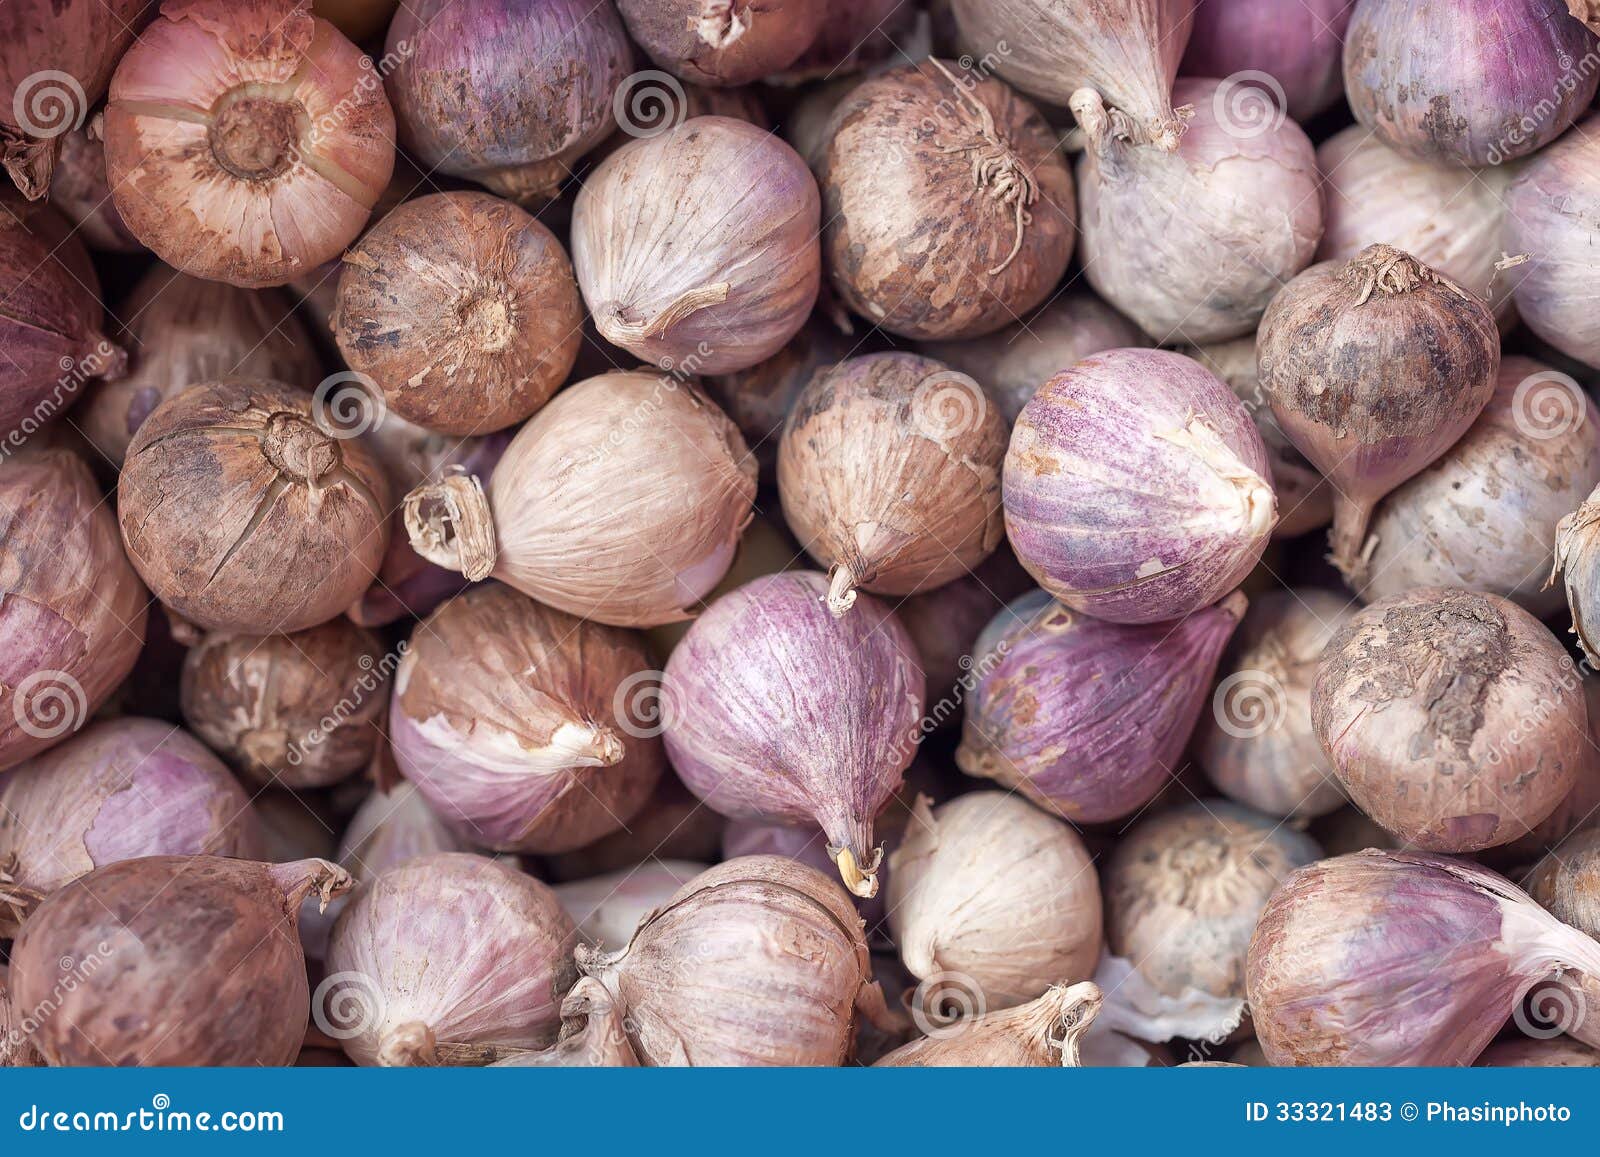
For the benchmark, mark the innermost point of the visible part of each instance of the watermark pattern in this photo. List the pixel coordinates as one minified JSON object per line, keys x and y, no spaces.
{"x":347,"y":1004}
{"x":49,"y":704}
{"x":74,"y":373}
{"x":360,"y":94}
{"x":348,"y":404}
{"x":642,"y":705}
{"x":649,"y":103}
{"x":70,"y":973}
{"x":1574,"y":76}
{"x":946,"y":405}
{"x":1551,"y":1008}
{"x":49,"y":103}
{"x":1249,"y":104}
{"x":945,"y":1004}
{"x":1548,"y":404}
{"x":973,"y":672}
{"x":1249,"y":703}
{"x":373,"y":680}
{"x":160,"y":1117}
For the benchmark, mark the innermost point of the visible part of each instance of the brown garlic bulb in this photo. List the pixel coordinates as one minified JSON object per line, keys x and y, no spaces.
{"x":759,"y":961}
{"x":1029,"y":919}
{"x":242,"y":509}
{"x":889,"y":472}
{"x":463,"y":308}
{"x":947,"y":208}
{"x":593,"y":1035}
{"x":1044,"y":1033}
{"x":299,"y":711}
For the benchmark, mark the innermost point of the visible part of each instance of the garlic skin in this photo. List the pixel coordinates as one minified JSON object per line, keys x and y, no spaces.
{"x":1299,"y":47}
{"x":746,"y":269}
{"x":723,"y":42}
{"x":1398,"y":958}
{"x":608,"y":909}
{"x":448,"y":959}
{"x":1257,"y":743}
{"x":621,"y":501}
{"x":1567,"y":881}
{"x":1453,"y":718}
{"x":592,"y":1035}
{"x":760,"y":961}
{"x":1575,"y":561}
{"x":15,"y":1051}
{"x":392,"y":827}
{"x":944,"y":624}
{"x":855,"y":35}
{"x":1484,"y":515}
{"x":1029,"y":919}
{"x":1045,"y":1033}
{"x":889,"y":472}
{"x":508,"y":716}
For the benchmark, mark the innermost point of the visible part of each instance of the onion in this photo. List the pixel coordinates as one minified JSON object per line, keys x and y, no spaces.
{"x":462,"y":98}
{"x":246,"y":140}
{"x":1398,"y":958}
{"x":1050,"y":714}
{"x":889,"y":472}
{"x":593,"y":1034}
{"x":1292,"y":51}
{"x":608,"y":908}
{"x":672,"y":825}
{"x":855,"y":34}
{"x":1576,"y":557}
{"x":1553,"y":214}
{"x":463,"y":309}
{"x":447,"y":959}
{"x":723,"y":41}
{"x":944,"y":625}
{"x":1464,"y":83}
{"x":1044,"y":1033}
{"x":1483,"y":516}
{"x":1081,"y":510}
{"x":515,"y":722}
{"x":1163,"y":232}
{"x":55,"y":62}
{"x":745,"y":267}
{"x":994,"y":892}
{"x":1257,"y":743}
{"x":1373,"y":368}
{"x":758,"y":961}
{"x":79,"y":190}
{"x":947,"y":211}
{"x":621,"y":501}
{"x":1183,"y":891}
{"x":1127,"y":53}
{"x":1559,"y":1052}
{"x":72,"y":612}
{"x":242,"y":508}
{"x":171,"y":960}
{"x":393,"y":826}
{"x":1305,"y":501}
{"x":1013,"y":363}
{"x":186,"y":332}
{"x":118,"y":790}
{"x":774,"y":708}
{"x":298,"y":711}
{"x":1454,"y":719}
{"x":1448,"y":218}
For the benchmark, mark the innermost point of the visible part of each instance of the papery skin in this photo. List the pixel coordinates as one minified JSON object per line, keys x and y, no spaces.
{"x":463,"y":309}
{"x":889,"y":473}
{"x":1578,"y":564}
{"x":451,"y":957}
{"x":782,"y":710}
{"x":1043,"y":1033}
{"x":1257,"y":743}
{"x":1301,"y":46}
{"x":1564,"y":881}
{"x":1455,"y":719}
{"x":1127,"y":52}
{"x":1553,"y":214}
{"x":1397,"y":958}
{"x":918,"y":241}
{"x":1456,"y":82}
{"x":672,"y":825}
{"x":1014,"y":362}
{"x":607,"y":909}
{"x":241,"y":511}
{"x":992,"y":889}
{"x":245,"y":141}
{"x":765,"y":548}
{"x":196,"y":962}
{"x":739,"y":211}
{"x":1086,"y":718}
{"x":296,"y":711}
{"x":464,"y":102}
{"x":1483,"y":516}
{"x":514,"y":722}
{"x":592,"y":1034}
{"x":72,"y":611}
{"x":759,"y":961}
{"x":1162,"y":232}
{"x":723,"y":42}
{"x":1080,"y":510}
{"x":186,"y":332}
{"x":80,"y":192}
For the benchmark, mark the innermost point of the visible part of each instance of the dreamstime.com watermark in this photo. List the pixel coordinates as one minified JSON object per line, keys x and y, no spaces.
{"x":374,"y":680}
{"x":973,"y":672}
{"x":159,"y":1117}
{"x":70,"y":974}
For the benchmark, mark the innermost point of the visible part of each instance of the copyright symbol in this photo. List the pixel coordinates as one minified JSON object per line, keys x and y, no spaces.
{"x":1408,"y":1112}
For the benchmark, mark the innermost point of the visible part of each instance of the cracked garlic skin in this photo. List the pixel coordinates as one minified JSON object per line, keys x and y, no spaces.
{"x":723,"y":42}
{"x":970,"y":226}
{"x":889,"y":472}
{"x":1044,"y":1033}
{"x":242,"y":512}
{"x":593,"y":1034}
{"x":1455,"y":719}
{"x":1080,"y":509}
{"x":990,"y":888}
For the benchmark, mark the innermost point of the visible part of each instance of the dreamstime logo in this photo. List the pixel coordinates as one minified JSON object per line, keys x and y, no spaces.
{"x":48,"y":104}
{"x":1547,"y":405}
{"x":947,"y":404}
{"x":642,"y":705}
{"x":1551,"y":1008}
{"x":650,"y":103}
{"x":49,"y":704}
{"x":348,"y":404}
{"x":946,"y":1003}
{"x":1249,"y":703}
{"x":348,"y":1004}
{"x":1249,"y":104}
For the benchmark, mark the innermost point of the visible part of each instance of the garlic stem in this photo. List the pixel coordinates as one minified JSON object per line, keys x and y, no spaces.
{"x":618,"y":331}
{"x":407,"y":1046}
{"x":841,"y":590}
{"x":862,"y":879}
{"x":450,"y":524}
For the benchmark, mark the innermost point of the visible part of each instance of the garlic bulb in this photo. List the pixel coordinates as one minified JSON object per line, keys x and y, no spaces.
{"x":723,"y":42}
{"x":1044,"y":1033}
{"x":758,"y":961}
{"x":1575,"y":561}
{"x":592,"y":1034}
{"x":992,"y":889}
{"x":607,"y":909}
